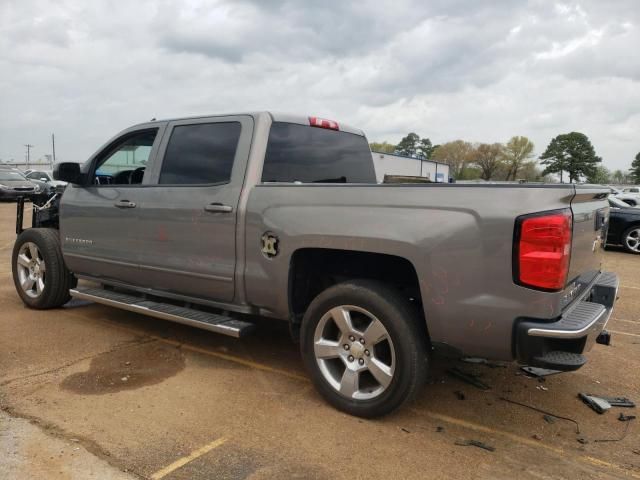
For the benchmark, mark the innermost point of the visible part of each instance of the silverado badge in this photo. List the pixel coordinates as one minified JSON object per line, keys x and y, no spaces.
{"x":269,"y":245}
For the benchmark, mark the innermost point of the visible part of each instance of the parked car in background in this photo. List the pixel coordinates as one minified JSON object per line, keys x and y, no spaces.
{"x":624,"y":225}
{"x":630,"y":198}
{"x":42,"y":176}
{"x":14,"y":184}
{"x":635,"y":190}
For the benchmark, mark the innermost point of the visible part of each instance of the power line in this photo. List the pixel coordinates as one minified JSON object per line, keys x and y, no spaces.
{"x":29,"y":147}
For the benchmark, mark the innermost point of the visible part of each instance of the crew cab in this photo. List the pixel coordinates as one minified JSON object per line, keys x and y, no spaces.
{"x":211,"y":221}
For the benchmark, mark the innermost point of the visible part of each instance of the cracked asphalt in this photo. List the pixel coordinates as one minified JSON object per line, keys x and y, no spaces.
{"x":88,"y":391}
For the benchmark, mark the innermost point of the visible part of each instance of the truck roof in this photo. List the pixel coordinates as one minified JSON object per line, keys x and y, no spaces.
{"x":275,"y":116}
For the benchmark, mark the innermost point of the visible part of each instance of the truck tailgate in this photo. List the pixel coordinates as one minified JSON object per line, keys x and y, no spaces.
{"x":590,"y":219}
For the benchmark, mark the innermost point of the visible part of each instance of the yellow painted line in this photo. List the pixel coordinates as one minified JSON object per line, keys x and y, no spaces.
{"x":628,"y":321}
{"x":524,"y":441}
{"x":434,"y":416}
{"x":204,"y":351}
{"x":233,"y":358}
{"x":624,"y":333}
{"x":181,"y":462}
{"x":629,"y":286}
{"x":484,"y":429}
{"x":605,"y":464}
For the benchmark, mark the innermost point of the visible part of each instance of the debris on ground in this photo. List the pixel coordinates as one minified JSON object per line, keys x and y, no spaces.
{"x":619,"y":402}
{"x":539,"y":410}
{"x":624,"y":434}
{"x":459,"y":394}
{"x":582,"y":440}
{"x":626,"y":418}
{"x":538,"y":372}
{"x":536,"y":436}
{"x":602,"y":404}
{"x":475,"y":443}
{"x":549,"y":418}
{"x":405,"y":430}
{"x":469,"y":378}
{"x":542,"y":387}
{"x":439,"y":429}
{"x":596,"y":403}
{"x":483,"y":361}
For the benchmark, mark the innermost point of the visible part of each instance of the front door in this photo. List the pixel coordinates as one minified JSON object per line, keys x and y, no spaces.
{"x":99,"y":227}
{"x":188,"y":215}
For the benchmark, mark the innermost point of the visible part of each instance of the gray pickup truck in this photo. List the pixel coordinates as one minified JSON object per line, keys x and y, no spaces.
{"x":212,"y":221}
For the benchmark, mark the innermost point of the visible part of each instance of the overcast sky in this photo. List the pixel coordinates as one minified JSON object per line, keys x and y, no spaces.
{"x":446,"y":69}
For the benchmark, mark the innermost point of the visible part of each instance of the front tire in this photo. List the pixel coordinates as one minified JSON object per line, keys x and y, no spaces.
{"x":41,"y":278}
{"x":364,"y":347}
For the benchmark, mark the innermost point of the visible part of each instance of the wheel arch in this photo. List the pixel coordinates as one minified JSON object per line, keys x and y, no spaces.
{"x":313,"y":270}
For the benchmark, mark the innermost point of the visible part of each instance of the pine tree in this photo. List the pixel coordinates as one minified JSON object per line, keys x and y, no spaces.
{"x":573,"y":153}
{"x":635,"y":170}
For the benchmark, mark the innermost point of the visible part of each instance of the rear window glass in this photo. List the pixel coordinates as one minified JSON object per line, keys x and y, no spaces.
{"x":200,"y":154}
{"x":299,"y":153}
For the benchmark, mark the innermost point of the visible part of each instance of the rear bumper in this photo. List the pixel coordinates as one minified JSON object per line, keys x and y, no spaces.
{"x":575,"y":331}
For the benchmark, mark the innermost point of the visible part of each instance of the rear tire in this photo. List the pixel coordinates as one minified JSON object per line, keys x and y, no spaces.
{"x":41,"y":278}
{"x":364,"y":347}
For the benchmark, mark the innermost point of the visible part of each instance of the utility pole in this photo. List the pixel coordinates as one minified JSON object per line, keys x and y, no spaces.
{"x":29,"y":147}
{"x":53,"y":147}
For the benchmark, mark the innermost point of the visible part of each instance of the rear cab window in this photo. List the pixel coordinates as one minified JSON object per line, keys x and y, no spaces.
{"x":304,"y":154}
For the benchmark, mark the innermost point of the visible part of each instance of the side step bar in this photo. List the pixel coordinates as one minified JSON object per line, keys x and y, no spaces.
{"x":188,"y":316}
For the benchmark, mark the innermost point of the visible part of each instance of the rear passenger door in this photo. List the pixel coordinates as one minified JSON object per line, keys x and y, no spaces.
{"x":188,"y":215}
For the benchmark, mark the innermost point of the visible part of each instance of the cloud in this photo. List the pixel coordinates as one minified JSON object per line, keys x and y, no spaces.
{"x":481,"y":71}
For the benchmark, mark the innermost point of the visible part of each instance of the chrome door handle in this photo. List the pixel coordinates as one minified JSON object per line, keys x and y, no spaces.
{"x":218,"y":208}
{"x":124,"y":204}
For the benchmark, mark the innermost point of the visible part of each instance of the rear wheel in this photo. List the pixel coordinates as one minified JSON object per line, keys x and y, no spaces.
{"x":41,"y":278}
{"x":631,"y":239}
{"x":363,"y":346}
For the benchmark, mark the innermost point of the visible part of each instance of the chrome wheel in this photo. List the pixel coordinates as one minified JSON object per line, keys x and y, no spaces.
{"x":31,"y":270}
{"x":632,"y":240}
{"x":354,"y":352}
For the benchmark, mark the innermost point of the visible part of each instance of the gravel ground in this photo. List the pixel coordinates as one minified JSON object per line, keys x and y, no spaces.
{"x":90,"y":390}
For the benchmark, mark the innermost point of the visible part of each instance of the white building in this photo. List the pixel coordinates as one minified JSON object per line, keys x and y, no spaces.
{"x":391,"y":164}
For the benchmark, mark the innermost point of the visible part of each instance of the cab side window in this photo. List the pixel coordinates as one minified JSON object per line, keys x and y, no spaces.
{"x":125,"y":162}
{"x":200,"y":154}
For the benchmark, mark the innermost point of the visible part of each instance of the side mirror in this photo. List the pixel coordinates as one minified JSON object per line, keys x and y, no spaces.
{"x":67,"y":172}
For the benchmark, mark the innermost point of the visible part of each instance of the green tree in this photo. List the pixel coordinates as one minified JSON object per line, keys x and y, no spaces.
{"x":635,"y":170}
{"x":530,"y":172}
{"x":517,"y":151}
{"x":489,"y":158}
{"x":570,"y":152}
{"x":426,"y":148}
{"x":617,"y":177}
{"x":383,"y":147}
{"x":457,"y":155}
{"x":408,"y":145}
{"x":601,"y":175}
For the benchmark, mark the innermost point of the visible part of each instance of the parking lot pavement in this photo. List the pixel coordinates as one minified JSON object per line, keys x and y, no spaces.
{"x":162,"y":400}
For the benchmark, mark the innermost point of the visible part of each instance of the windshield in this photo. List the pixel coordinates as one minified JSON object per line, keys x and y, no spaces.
{"x":8,"y":176}
{"x":39,"y":175}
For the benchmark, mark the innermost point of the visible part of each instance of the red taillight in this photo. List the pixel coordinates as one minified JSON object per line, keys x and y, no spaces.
{"x":323,"y":123}
{"x":543,"y":249}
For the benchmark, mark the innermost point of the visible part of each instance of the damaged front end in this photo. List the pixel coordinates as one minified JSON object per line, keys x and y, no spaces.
{"x":45,"y":214}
